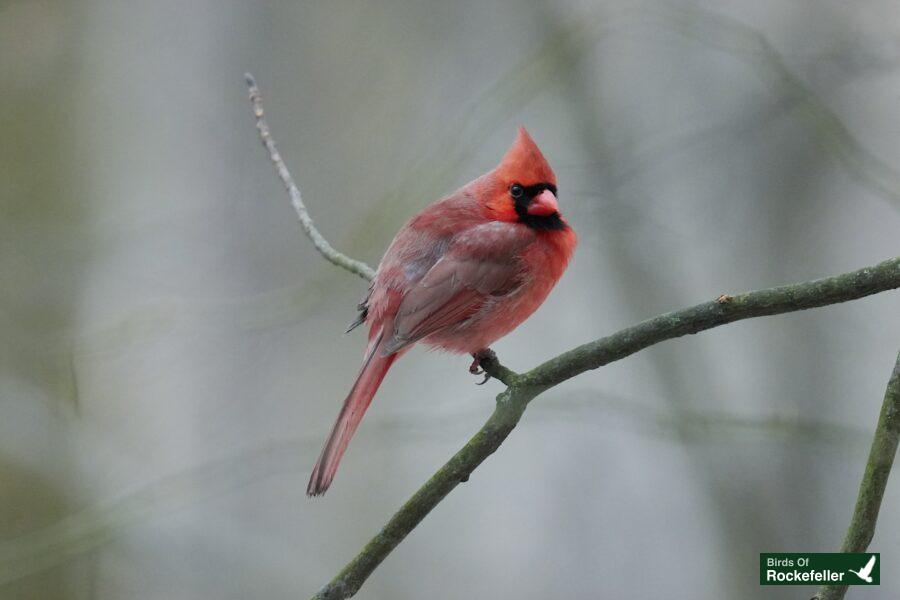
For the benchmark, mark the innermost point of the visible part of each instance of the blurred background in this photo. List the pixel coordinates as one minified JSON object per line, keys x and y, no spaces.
{"x":171,"y":348}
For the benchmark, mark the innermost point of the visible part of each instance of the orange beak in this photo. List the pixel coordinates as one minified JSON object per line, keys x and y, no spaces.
{"x":543,"y":205}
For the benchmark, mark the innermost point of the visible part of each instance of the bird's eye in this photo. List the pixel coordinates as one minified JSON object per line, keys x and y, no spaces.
{"x":516,"y":190}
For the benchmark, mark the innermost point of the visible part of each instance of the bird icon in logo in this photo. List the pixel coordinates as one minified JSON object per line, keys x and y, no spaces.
{"x":865,"y":572}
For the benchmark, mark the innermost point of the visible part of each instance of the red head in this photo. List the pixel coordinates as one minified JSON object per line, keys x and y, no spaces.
{"x":522,"y":188}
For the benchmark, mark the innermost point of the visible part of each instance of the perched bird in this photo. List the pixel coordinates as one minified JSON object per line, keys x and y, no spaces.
{"x":459,"y":275}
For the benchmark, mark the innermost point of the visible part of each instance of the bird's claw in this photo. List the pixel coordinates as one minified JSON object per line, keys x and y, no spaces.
{"x":476,"y":369}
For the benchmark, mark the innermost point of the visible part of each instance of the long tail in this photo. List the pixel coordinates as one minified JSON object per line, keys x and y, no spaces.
{"x":375,"y":367}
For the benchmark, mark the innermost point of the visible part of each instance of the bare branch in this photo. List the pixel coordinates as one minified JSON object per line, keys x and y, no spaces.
{"x":874,"y":480}
{"x":789,"y":298}
{"x":513,"y":401}
{"x":309,"y":228}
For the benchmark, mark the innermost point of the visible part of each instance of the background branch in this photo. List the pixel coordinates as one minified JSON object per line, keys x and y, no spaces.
{"x":521,"y":389}
{"x":874,"y":480}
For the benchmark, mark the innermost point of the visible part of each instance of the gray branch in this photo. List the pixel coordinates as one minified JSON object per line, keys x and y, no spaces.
{"x":522,"y":388}
{"x":309,"y":228}
{"x":874,"y":480}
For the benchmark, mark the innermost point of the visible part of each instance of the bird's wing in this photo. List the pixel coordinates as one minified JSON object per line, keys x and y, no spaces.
{"x":479,"y":264}
{"x":868,"y":568}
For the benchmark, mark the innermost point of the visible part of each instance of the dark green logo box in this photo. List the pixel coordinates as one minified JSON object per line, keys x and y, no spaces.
{"x":810,"y":568}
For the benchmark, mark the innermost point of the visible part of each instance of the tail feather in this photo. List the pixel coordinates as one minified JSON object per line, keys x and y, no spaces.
{"x":375,"y":367}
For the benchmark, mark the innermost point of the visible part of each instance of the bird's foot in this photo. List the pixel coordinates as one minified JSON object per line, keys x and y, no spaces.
{"x":477,"y":368}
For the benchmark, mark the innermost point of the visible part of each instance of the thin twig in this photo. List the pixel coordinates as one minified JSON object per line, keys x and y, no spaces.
{"x":513,"y":401}
{"x":874,"y":480}
{"x":309,"y":228}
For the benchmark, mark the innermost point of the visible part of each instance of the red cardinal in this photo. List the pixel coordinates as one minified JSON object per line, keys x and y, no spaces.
{"x":459,"y":275}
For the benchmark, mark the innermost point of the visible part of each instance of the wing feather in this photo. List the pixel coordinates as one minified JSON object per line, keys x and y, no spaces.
{"x":480,"y":264}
